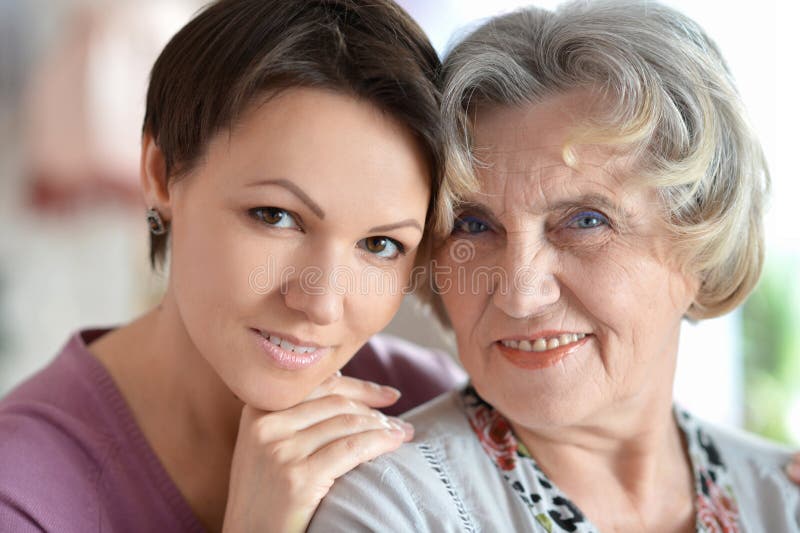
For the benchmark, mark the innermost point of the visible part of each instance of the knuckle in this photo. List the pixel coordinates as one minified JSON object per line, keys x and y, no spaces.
{"x":355,"y":448}
{"x":278,"y":452}
{"x":295,"y":478}
{"x":342,"y":403}
{"x":330,"y":384}
{"x":351,"y":420}
{"x":263,"y":429}
{"x":260,"y":432}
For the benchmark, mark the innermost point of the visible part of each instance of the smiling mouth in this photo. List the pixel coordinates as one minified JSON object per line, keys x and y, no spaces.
{"x":289,"y":346}
{"x":543,"y":344}
{"x":541,"y":352}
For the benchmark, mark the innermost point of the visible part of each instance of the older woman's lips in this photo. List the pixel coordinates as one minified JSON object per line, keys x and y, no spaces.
{"x":541,"y":352}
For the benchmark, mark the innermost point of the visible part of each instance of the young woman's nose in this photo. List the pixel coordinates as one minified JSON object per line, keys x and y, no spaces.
{"x":314,"y":289}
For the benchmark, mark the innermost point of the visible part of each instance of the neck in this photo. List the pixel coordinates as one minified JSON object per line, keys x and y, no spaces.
{"x":186,"y":385}
{"x":187,"y":413}
{"x":621,"y":463}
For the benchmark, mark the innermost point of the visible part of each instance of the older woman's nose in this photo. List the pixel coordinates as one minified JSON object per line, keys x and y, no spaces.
{"x":530,"y":286}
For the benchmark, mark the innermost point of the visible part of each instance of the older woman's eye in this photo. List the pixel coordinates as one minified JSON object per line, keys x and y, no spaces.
{"x":587,"y":220}
{"x":274,"y":216}
{"x":383,"y":247}
{"x":470,"y":225}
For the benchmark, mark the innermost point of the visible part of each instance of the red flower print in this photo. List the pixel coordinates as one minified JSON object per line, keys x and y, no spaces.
{"x":718,"y":512}
{"x":495,"y":435}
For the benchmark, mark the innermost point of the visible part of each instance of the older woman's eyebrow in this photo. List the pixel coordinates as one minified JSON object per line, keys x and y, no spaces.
{"x":294,"y":189}
{"x":476,"y":208}
{"x":589,"y":200}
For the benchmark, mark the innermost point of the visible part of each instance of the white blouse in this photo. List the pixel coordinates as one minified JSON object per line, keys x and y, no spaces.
{"x":466,"y":472}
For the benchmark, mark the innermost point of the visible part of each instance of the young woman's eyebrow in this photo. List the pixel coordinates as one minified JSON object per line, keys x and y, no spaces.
{"x":297,"y":191}
{"x":402,"y":224}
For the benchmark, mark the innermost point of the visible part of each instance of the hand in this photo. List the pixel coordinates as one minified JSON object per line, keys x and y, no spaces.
{"x":793,"y":469}
{"x":285,"y":462}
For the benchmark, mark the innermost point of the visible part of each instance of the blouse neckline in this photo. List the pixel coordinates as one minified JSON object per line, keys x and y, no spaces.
{"x":552,"y":511}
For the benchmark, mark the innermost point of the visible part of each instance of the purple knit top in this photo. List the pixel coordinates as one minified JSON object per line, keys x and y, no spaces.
{"x":73,"y":459}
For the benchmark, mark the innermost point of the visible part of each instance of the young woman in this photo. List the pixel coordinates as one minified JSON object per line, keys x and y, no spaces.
{"x":292,"y":156}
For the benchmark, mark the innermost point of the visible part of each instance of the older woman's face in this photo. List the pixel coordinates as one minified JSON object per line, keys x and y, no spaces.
{"x":558,"y":280}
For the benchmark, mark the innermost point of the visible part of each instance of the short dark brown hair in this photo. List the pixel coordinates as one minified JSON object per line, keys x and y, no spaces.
{"x":235,"y":51}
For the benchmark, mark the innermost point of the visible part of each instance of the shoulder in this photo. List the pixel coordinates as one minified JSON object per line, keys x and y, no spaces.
{"x":419,"y":373}
{"x":743,"y":448}
{"x":417,"y":488}
{"x":50,"y":465}
{"x":52,"y":451}
{"x":767,"y":499}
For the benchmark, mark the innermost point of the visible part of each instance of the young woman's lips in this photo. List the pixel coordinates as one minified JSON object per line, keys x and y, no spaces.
{"x":534,"y":356}
{"x":288,"y":355}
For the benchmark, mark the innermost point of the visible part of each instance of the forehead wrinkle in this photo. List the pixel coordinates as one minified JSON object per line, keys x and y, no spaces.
{"x":528,"y":182}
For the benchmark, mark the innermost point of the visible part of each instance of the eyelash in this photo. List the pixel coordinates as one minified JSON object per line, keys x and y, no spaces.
{"x":258,"y":213}
{"x":461,"y":220}
{"x":401,"y":249}
{"x":602,"y":220}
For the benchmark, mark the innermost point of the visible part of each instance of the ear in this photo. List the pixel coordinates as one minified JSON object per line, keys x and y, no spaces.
{"x":153,"y":177}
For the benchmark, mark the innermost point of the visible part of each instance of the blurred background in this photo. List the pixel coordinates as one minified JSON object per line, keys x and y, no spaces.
{"x":73,"y":240}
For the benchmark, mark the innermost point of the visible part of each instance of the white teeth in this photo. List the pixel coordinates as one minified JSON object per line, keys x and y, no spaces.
{"x":288,"y":346}
{"x":541,"y":344}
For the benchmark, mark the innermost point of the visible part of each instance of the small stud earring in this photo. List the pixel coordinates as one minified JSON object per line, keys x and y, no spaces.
{"x":155,"y":222}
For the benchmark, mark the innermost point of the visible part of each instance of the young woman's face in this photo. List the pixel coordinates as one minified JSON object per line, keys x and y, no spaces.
{"x":293,"y":240}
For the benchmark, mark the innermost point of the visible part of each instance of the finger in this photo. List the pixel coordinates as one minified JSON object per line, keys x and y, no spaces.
{"x":316,"y":437}
{"x":343,"y":455}
{"x":367,"y":392}
{"x":282,"y":424}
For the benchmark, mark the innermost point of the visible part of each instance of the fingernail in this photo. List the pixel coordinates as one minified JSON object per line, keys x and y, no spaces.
{"x":403,"y":425}
{"x":391,"y":391}
{"x":793,"y":471}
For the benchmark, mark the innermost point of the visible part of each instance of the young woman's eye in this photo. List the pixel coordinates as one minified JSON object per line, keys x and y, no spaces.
{"x":470,"y":225}
{"x":587,"y":220}
{"x":383,"y":247}
{"x":274,"y":216}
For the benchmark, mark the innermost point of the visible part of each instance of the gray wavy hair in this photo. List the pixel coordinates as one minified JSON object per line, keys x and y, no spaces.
{"x":670,"y":99}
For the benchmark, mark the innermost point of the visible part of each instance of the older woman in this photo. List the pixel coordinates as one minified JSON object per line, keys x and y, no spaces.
{"x":619,"y":190}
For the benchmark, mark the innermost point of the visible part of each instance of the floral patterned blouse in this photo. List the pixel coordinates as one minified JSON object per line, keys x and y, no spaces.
{"x":715,"y":503}
{"x":466,"y":473}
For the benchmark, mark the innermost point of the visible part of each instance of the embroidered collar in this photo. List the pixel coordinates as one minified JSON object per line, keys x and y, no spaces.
{"x":715,"y":502}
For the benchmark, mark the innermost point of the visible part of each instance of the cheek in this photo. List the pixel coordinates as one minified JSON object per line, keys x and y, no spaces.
{"x":462,"y":294}
{"x":370,"y":308}
{"x":214,"y":267}
{"x":635,"y":300}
